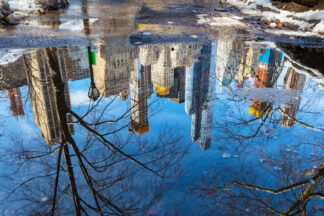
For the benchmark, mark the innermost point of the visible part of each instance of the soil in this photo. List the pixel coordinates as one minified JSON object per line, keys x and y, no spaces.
{"x":299,"y":5}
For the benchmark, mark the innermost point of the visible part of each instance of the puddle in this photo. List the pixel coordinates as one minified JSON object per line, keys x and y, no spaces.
{"x":125,"y":115}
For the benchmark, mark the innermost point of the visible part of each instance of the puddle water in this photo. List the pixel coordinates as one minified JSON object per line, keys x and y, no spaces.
{"x":136,"y":116}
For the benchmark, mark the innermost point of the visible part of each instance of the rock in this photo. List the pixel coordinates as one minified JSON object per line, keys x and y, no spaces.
{"x":15,"y":17}
{"x":5,"y":12}
{"x":4,"y":5}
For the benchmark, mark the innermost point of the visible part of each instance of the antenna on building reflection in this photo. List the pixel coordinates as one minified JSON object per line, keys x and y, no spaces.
{"x":93,"y":93}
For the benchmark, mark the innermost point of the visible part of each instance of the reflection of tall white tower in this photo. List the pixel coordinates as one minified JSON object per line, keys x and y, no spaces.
{"x":189,"y":90}
{"x":162,"y":72}
{"x":229,"y":53}
{"x":43,"y":95}
{"x":141,"y":89}
{"x":200,"y":88}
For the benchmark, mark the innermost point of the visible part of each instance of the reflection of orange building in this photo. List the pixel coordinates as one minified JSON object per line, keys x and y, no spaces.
{"x":267,"y":65}
{"x":262,"y":80}
{"x":293,"y":81}
{"x":16,"y":105}
{"x":141,"y":89}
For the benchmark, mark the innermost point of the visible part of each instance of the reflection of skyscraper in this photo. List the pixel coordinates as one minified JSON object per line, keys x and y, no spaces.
{"x":267,"y":67}
{"x":229,"y":53}
{"x":199,"y":101}
{"x":16,"y":105}
{"x":141,"y":89}
{"x":43,"y":95}
{"x":293,"y":81}
{"x":177,"y":91}
{"x":112,"y":69}
{"x":248,"y":65}
{"x":162,"y":72}
{"x":77,"y":64}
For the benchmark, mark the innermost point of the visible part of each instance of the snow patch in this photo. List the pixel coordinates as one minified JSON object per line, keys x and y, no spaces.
{"x":24,"y":5}
{"x":309,"y":21}
{"x":227,"y":21}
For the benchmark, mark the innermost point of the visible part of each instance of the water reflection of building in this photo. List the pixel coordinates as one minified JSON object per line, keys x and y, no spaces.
{"x":162,"y":72}
{"x":177,"y":91}
{"x":16,"y":105}
{"x":199,"y":102}
{"x":141,"y":90}
{"x":292,"y":81}
{"x":43,"y":95}
{"x":77,"y":64}
{"x":113,"y":67}
{"x":248,"y":65}
{"x":168,"y":67}
{"x":265,"y":77}
{"x":229,"y":54}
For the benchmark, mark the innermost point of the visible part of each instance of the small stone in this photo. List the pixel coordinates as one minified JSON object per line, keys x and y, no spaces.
{"x":13,"y":19}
